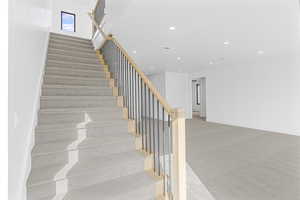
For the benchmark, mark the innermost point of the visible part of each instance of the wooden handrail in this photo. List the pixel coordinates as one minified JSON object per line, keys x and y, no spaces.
{"x":149,"y":84}
{"x":97,"y":25}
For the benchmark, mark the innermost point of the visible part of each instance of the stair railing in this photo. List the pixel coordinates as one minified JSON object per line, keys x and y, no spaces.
{"x":159,"y":127}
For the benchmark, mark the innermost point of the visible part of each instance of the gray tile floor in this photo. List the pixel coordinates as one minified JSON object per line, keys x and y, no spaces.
{"x":237,"y":163}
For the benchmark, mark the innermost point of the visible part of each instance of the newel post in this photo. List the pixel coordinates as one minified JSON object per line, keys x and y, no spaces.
{"x":179,"y":157}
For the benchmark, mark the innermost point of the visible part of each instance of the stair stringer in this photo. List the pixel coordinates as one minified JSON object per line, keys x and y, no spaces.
{"x":148,"y":164}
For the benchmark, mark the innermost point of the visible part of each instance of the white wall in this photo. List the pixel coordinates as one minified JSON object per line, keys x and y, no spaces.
{"x":78,"y":7}
{"x":29,"y":24}
{"x":175,"y":88}
{"x":179,"y":91}
{"x":159,"y":80}
{"x":263,"y":95}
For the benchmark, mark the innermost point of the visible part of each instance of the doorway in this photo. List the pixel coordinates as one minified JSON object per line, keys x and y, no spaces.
{"x":199,"y":98}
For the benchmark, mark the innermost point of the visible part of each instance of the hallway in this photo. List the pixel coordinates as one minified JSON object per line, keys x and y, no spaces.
{"x":237,"y":163}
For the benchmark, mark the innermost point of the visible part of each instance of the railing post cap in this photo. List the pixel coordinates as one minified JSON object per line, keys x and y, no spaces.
{"x":179,"y":113}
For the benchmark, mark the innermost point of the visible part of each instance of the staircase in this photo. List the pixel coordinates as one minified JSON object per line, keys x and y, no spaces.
{"x":83,"y":147}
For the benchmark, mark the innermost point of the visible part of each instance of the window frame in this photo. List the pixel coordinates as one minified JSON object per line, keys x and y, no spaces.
{"x":61,"y":20}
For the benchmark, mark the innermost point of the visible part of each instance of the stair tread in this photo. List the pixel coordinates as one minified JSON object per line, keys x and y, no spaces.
{"x":91,"y":56}
{"x":71,"y":48}
{"x":75,"y":86}
{"x":60,"y":62}
{"x":67,"y":36}
{"x":68,"y":126}
{"x":75,"y":110}
{"x":65,"y":145}
{"x":70,"y":42}
{"x":43,"y":174}
{"x":75,"y":77}
{"x":77,"y":70}
{"x":108,"y":97}
{"x":102,"y":162}
{"x":73,"y":58}
{"x":135,"y":186}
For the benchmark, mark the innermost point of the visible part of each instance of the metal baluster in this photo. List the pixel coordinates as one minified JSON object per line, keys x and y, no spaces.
{"x":169,"y":159}
{"x":153,"y":132}
{"x":158,"y":145}
{"x":126,"y":86}
{"x":145,"y":117}
{"x":149,"y":120}
{"x":121,"y":75}
{"x":164,"y":151}
{"x":142,"y":113}
{"x":132,"y":91}
{"x":129,"y":91}
{"x":134,"y":101}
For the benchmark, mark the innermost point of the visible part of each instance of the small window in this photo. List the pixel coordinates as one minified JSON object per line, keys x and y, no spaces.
{"x":68,"y":21}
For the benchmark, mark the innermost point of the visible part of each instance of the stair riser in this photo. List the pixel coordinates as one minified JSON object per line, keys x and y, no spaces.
{"x":93,"y":60}
{"x":41,"y":191}
{"x":101,"y":125}
{"x":77,"y":92}
{"x":75,"y":73}
{"x":76,"y":118}
{"x":47,"y":156}
{"x":69,"y":65}
{"x":72,"y":134}
{"x":50,"y":159}
{"x":98,"y":132}
{"x":75,"y":104}
{"x":59,"y":35}
{"x":91,"y":55}
{"x":84,"y":82}
{"x":73,"y":40}
{"x":103,"y":175}
{"x":70,"y":48}
{"x":71,"y":44}
{"x":53,"y":137}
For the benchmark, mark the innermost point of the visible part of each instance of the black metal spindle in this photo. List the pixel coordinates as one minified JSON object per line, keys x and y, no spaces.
{"x":153,"y":132}
{"x":145,"y":117}
{"x":126,"y":87}
{"x":163,"y":146}
{"x":169,"y":154}
{"x":142,"y":113}
{"x":158,"y":135}
{"x":134,"y":100}
{"x":130,"y":81}
{"x":149,"y":122}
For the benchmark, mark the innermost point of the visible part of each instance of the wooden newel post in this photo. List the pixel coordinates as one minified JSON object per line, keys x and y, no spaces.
{"x":179,"y":157}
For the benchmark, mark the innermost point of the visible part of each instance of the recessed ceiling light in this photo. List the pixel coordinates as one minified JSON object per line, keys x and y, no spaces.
{"x":178,"y":58}
{"x":134,"y":51}
{"x":211,"y":62}
{"x":260,"y":52}
{"x":226,"y":43}
{"x":172,"y":28}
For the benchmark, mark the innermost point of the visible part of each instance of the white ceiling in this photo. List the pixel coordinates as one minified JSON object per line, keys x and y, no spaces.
{"x":256,"y":30}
